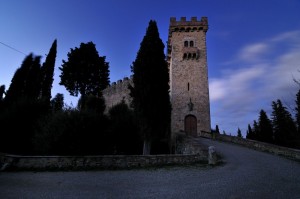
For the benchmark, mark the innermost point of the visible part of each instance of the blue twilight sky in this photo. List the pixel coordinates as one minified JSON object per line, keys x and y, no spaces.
{"x":253,"y":46}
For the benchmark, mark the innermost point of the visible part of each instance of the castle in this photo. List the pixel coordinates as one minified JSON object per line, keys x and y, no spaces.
{"x":187,"y":62}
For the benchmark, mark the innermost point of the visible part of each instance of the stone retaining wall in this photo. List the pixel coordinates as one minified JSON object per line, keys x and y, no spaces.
{"x":14,"y":162}
{"x":260,"y":146}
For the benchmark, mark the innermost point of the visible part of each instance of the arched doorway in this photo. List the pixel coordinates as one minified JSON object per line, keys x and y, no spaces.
{"x":190,"y":125}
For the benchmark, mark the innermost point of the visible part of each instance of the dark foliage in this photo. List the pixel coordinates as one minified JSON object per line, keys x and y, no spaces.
{"x":47,"y":72}
{"x":26,"y":81}
{"x":22,"y":107}
{"x":250,"y":134}
{"x":265,"y":131}
{"x":2,"y":92}
{"x":85,"y":72}
{"x":280,"y":130}
{"x":283,"y":124}
{"x":92,"y":103}
{"x":297,"y":109}
{"x":18,"y":122}
{"x":217,"y":129}
{"x":239,"y":133}
{"x":123,"y":130}
{"x":72,"y":132}
{"x":57,"y":103}
{"x":150,"y":93}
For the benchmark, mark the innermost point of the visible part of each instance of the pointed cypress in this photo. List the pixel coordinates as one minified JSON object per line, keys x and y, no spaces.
{"x":150,"y":91}
{"x":47,"y":73}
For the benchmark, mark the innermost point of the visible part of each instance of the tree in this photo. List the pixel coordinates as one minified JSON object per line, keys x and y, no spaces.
{"x":124,"y":134}
{"x":298,"y":112}
{"x":150,"y":90}
{"x":2,"y":92}
{"x":217,"y":129}
{"x":85,"y":72}
{"x":249,"y":133}
{"x":283,"y":125}
{"x":239,"y":133}
{"x":47,"y":72}
{"x":91,"y":103}
{"x":26,"y":80}
{"x":57,"y":103}
{"x":255,"y":130}
{"x":265,"y":128}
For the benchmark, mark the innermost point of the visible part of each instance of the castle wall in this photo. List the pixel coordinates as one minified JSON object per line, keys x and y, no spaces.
{"x":117,"y":92}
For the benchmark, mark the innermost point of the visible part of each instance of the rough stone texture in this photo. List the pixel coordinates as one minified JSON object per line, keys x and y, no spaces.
{"x":117,"y":92}
{"x":14,"y":162}
{"x":212,"y":155}
{"x":188,"y":76}
{"x":187,"y":145}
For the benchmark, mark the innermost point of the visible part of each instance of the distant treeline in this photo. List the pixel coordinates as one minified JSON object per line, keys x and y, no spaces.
{"x":281,"y":129}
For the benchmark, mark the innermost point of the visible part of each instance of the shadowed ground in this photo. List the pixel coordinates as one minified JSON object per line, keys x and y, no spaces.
{"x":246,"y":174}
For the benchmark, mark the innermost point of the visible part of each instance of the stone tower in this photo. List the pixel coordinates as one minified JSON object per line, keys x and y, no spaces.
{"x":188,"y":76}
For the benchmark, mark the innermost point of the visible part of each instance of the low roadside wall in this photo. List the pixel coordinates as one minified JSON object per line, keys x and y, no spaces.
{"x":260,"y":146}
{"x":14,"y":162}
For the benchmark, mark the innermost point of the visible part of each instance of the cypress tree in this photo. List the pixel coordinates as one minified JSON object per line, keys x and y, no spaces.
{"x":26,"y":80}
{"x":217,"y":129}
{"x":2,"y":92}
{"x":255,"y":130}
{"x":104,"y":73}
{"x":239,"y":133}
{"x":298,"y":112}
{"x":32,"y":87}
{"x":150,"y":91}
{"x":47,"y":72}
{"x":249,"y":133}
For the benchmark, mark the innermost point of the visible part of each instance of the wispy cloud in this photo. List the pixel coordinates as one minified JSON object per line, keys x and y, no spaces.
{"x":253,"y":52}
{"x":267,"y":72}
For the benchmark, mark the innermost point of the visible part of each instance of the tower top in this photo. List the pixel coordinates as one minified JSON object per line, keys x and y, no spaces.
{"x":186,"y":26}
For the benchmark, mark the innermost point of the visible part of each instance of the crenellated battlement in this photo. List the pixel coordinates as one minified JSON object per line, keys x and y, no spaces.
{"x":118,"y":84}
{"x":117,"y":92}
{"x":185,"y":27}
{"x":188,"y":26}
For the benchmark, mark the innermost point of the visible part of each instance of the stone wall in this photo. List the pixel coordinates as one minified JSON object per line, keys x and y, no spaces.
{"x":253,"y":144}
{"x":48,"y":163}
{"x":117,"y":92}
{"x":186,"y":152}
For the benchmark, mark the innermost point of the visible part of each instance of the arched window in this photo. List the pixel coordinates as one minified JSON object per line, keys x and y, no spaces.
{"x":189,"y":56}
{"x":186,"y":43}
{"x":184,"y":56}
{"x":194,"y":55}
{"x":191,"y":43}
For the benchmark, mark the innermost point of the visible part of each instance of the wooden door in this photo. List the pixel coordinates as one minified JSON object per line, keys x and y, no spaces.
{"x":190,"y":125}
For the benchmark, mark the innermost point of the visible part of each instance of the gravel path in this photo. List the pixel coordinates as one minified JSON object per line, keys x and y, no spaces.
{"x":246,"y":174}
